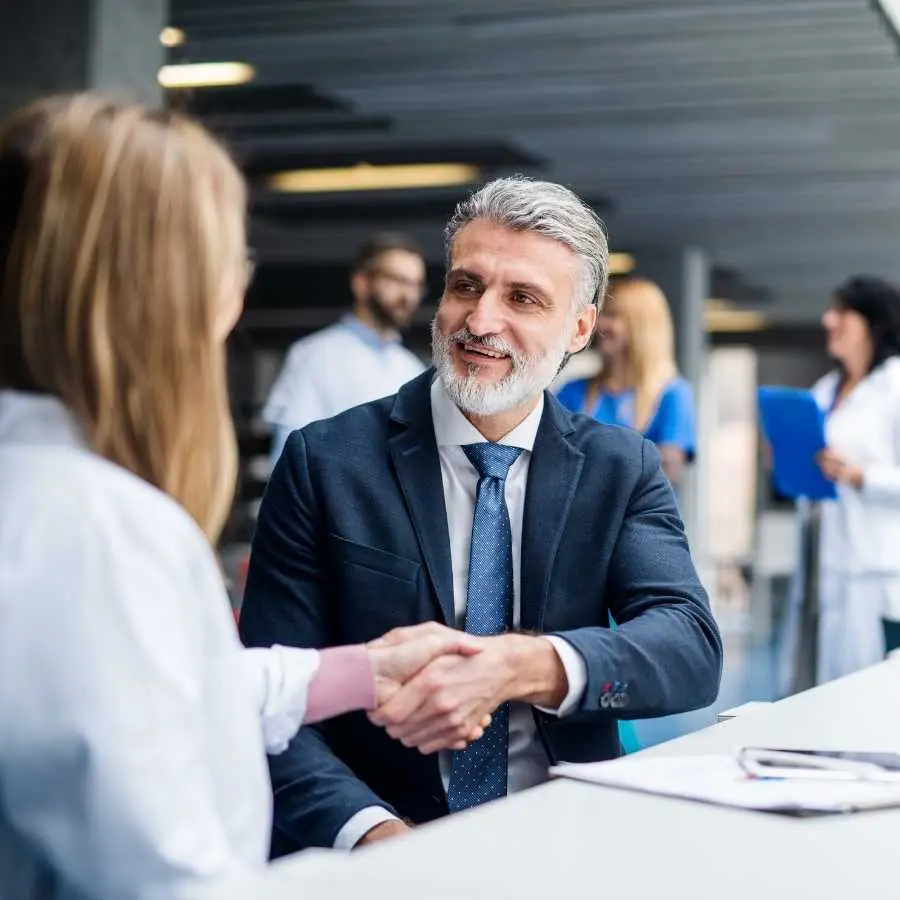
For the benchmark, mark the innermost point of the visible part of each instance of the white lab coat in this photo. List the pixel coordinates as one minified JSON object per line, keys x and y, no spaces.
{"x":133,"y":726}
{"x":859,"y":545}
{"x":334,"y":370}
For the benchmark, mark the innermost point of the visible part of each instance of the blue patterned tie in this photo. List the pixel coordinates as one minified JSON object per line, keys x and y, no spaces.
{"x":478,"y":773}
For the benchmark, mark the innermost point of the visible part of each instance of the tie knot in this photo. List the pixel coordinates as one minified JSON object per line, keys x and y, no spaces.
{"x":492,"y":460}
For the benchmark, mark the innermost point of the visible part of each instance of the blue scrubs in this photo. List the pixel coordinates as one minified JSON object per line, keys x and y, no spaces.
{"x":672,"y":423}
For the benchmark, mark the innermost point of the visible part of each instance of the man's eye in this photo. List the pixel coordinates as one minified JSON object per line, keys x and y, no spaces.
{"x":465,"y":287}
{"x":519,"y":297}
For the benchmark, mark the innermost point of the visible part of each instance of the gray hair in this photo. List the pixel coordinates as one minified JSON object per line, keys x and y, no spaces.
{"x":523,"y":204}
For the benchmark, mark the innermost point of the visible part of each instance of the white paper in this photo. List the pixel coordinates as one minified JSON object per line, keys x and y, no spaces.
{"x":720,"y":780}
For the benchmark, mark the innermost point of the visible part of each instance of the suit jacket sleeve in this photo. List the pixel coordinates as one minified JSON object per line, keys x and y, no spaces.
{"x":285,"y":602}
{"x":666,"y":651}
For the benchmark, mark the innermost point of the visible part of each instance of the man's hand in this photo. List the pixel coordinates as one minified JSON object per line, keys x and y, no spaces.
{"x":836,"y":468}
{"x":404,"y":652}
{"x":451,"y":697}
{"x":382,"y":832}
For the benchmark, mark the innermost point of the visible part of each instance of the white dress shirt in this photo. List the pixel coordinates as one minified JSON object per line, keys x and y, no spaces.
{"x":528,"y":762}
{"x":860,"y":531}
{"x":133,"y":726}
{"x":333,"y":370}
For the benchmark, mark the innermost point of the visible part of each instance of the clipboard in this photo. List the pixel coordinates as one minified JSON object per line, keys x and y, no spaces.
{"x":794,"y":426}
{"x":719,"y":780}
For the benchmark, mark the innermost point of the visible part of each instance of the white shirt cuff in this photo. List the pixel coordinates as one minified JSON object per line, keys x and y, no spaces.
{"x":279,"y":678}
{"x":356,"y":827}
{"x":576,"y":675}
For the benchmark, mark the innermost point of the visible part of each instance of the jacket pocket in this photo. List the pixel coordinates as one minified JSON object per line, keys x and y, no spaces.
{"x":378,"y":561}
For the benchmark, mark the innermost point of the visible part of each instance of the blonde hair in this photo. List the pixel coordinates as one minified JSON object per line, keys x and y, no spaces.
{"x":650,"y":350}
{"x":119,"y":231}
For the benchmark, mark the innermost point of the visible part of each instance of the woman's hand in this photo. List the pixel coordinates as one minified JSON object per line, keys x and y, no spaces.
{"x":836,"y":468}
{"x":402,"y":653}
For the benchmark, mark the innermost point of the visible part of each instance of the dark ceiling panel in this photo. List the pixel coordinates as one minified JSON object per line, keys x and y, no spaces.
{"x":767,"y":131}
{"x":262,"y":158}
{"x":370,"y":207}
{"x":248,"y":99}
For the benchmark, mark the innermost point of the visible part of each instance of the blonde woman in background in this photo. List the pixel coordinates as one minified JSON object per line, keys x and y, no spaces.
{"x":638,"y":385}
{"x":134,"y":727}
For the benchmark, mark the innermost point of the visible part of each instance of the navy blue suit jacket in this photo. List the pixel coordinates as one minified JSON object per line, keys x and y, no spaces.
{"x":352,"y":541}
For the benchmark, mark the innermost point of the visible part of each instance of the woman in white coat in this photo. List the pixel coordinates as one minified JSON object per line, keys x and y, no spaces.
{"x":133,"y":726}
{"x":856,"y":571}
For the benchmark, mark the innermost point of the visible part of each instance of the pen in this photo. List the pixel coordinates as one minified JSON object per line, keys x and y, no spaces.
{"x":758,"y":763}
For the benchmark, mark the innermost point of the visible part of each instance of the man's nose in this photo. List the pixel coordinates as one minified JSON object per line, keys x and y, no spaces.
{"x":486,"y":316}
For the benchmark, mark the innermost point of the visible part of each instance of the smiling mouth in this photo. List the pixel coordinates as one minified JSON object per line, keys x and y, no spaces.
{"x":486,"y":352}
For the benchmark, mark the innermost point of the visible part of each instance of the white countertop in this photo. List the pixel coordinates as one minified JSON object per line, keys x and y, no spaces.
{"x":580,"y":840}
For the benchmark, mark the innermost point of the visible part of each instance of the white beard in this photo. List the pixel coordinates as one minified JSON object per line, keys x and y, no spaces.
{"x":529,"y":376}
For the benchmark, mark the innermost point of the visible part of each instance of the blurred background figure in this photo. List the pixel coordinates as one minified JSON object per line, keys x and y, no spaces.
{"x":360,"y":358}
{"x":845,"y":605}
{"x":638,"y":385}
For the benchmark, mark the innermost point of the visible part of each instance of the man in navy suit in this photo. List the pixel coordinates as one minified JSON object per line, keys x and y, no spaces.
{"x":473,"y":499}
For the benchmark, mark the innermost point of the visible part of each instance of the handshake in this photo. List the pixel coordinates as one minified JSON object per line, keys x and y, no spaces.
{"x":436,"y":687}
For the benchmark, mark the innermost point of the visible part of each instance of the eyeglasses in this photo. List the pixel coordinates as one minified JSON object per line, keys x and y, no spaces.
{"x":420,"y":287}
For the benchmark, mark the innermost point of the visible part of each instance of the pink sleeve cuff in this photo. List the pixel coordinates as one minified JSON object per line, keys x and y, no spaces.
{"x":343,"y":682}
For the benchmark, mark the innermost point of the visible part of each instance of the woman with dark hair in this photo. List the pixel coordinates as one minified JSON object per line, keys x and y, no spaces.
{"x":851,"y":573}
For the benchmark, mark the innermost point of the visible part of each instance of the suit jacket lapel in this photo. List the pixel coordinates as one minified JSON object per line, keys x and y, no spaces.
{"x":416,"y":462}
{"x":552,"y":480}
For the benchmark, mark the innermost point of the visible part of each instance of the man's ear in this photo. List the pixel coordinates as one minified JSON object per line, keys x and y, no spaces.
{"x":358,"y":284}
{"x":585,"y":323}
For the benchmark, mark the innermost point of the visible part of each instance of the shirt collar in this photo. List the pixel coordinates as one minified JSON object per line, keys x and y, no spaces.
{"x":452,"y":428}
{"x":367,"y":334}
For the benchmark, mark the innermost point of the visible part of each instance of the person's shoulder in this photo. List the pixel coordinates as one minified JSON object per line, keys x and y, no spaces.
{"x":572,"y":392}
{"x":318,"y":351}
{"x":891,"y":368}
{"x":829,"y":380}
{"x":79,"y":495}
{"x":887,"y":379}
{"x":677,"y":397}
{"x":358,"y":424}
{"x":317,"y":342}
{"x":411,"y":360}
{"x":679,"y":387}
{"x":823,"y":389}
{"x":88,"y":540}
{"x":595,"y":439}
{"x":361,"y":433}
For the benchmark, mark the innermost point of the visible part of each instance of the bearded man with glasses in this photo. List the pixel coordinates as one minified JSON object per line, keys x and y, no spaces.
{"x":361,"y":357}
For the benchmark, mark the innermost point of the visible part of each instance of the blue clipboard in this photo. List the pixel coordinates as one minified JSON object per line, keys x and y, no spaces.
{"x":794,"y":426}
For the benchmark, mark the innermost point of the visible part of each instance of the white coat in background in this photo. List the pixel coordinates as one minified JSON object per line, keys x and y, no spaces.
{"x":859,"y":546}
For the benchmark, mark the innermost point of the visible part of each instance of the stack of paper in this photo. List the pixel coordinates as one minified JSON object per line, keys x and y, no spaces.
{"x":720,"y":780}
